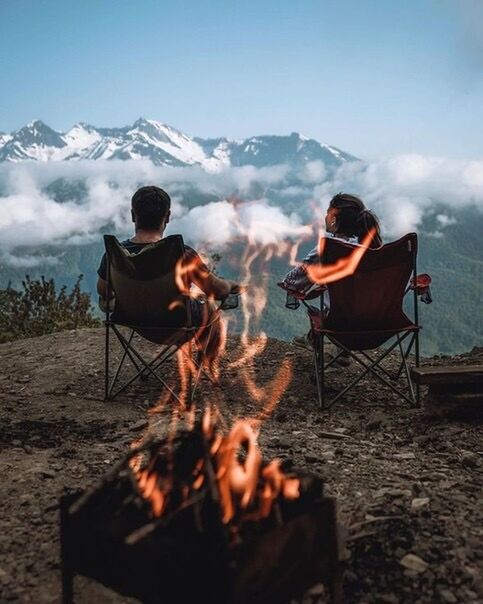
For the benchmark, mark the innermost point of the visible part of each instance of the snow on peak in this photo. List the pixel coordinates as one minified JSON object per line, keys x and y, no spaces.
{"x":161,"y":144}
{"x":34,"y":124}
{"x":169,"y":140}
{"x":81,"y":137}
{"x":4,"y":138}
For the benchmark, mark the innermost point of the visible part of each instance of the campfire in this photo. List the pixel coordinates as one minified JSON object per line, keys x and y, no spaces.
{"x":201,"y":515}
{"x":198,"y":514}
{"x":208,"y":461}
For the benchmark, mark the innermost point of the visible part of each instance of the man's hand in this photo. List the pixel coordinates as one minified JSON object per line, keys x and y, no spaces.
{"x":237,"y":288}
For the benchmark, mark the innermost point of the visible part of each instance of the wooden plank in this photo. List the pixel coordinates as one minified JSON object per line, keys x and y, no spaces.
{"x":441,"y":403}
{"x":451,"y":374}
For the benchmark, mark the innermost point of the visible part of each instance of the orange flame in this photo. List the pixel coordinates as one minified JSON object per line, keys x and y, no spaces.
{"x":323,"y":274}
{"x":246,"y":488}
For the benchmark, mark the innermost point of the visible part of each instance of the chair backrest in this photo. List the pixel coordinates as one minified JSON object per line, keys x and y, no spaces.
{"x":371,"y":299}
{"x":144,"y":283}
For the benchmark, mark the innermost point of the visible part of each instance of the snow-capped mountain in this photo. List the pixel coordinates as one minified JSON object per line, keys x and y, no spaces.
{"x":161,"y":144}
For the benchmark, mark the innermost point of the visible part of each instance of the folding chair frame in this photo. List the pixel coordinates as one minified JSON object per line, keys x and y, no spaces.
{"x":144,"y":368}
{"x":370,"y":365}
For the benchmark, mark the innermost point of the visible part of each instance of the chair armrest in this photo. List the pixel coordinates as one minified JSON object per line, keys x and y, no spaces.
{"x":421,"y":285}
{"x":229,"y":302}
{"x":294,"y":297}
{"x":311,"y":294}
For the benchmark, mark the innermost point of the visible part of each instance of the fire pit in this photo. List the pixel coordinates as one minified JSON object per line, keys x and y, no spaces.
{"x":201,"y":516}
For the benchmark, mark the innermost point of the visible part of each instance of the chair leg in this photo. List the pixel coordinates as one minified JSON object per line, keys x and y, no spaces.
{"x":409,"y":347}
{"x":322,"y":370}
{"x":145,"y":367}
{"x":317,"y":370}
{"x":406,"y":371}
{"x":418,"y":389}
{"x":190,"y":378}
{"x":371,"y":368}
{"x":121,"y":363}
{"x":106,"y":365}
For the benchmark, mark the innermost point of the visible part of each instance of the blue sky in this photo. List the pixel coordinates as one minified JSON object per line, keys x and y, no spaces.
{"x":373,"y":77}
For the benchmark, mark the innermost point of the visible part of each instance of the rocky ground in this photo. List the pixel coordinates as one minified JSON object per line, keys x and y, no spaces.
{"x":408,"y":485}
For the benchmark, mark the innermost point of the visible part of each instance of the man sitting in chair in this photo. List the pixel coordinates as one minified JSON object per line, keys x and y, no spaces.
{"x":150,"y":211}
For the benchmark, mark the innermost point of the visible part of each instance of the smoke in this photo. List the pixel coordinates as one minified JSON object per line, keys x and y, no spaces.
{"x":278,"y":201}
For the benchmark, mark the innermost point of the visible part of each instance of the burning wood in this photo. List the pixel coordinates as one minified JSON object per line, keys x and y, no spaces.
{"x":228,"y":467}
{"x":201,"y":514}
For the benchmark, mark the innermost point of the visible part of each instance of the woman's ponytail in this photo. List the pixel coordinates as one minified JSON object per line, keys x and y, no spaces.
{"x":366,"y":222}
{"x":354,"y":219}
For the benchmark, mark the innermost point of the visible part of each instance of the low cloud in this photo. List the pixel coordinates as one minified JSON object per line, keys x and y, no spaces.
{"x":27,"y":261}
{"x":216,"y":224}
{"x":399,"y":189}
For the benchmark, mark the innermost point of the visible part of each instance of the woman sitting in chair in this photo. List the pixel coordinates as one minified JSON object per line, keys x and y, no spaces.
{"x":347,"y":219}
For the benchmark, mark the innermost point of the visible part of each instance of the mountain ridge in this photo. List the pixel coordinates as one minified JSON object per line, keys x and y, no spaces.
{"x":163,"y":145}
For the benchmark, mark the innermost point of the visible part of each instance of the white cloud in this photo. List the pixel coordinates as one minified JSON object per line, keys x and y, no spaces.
{"x":261,"y":223}
{"x":214,"y":223}
{"x":30,"y":217}
{"x":445,"y":220}
{"x":399,"y":189}
{"x":314,"y":172}
{"x":27,"y":260}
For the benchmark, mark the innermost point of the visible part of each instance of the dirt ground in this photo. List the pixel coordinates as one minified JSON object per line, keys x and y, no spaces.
{"x":408,"y":486}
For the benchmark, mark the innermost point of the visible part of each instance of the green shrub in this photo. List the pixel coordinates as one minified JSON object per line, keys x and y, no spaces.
{"x":38,"y":309}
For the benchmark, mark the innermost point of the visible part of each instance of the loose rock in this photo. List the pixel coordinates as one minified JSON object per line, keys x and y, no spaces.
{"x":414,"y":563}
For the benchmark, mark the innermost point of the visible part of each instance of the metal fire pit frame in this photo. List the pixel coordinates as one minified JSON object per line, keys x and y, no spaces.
{"x":282,"y":563}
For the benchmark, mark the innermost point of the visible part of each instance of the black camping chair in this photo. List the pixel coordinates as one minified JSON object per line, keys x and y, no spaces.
{"x":366,"y":312}
{"x":145,"y":298}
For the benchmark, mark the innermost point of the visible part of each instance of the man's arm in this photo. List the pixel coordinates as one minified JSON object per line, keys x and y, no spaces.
{"x":199,"y":274}
{"x":102,"y":288}
{"x":213,"y":286}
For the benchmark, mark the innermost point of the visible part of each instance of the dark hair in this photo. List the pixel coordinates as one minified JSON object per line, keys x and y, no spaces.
{"x":150,"y":206}
{"x":354,"y":219}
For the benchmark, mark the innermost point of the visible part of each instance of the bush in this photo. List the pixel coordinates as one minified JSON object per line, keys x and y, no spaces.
{"x":38,"y":310}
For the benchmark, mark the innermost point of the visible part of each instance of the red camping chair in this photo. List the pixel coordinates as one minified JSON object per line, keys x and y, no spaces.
{"x":366,"y":311}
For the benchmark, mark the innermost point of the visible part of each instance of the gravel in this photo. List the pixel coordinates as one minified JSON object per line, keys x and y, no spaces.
{"x":408,"y":485}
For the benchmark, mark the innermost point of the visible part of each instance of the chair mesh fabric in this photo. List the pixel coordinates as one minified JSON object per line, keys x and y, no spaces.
{"x":366,"y":308}
{"x":145,"y":286}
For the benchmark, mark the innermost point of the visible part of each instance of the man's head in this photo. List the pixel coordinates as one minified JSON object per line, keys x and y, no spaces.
{"x":150,"y":208}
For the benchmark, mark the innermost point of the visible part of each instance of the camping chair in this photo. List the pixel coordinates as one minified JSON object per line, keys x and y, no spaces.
{"x":366,"y":312}
{"x":148,"y":302}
